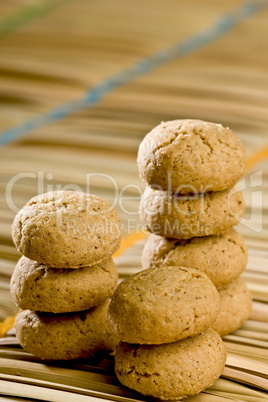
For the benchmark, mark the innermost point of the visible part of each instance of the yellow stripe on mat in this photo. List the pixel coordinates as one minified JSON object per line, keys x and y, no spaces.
{"x":129,"y":241}
{"x":257,"y":157}
{"x":6,"y":325}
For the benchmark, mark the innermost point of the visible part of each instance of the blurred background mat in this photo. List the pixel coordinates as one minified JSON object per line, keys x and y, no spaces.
{"x":81,"y":83}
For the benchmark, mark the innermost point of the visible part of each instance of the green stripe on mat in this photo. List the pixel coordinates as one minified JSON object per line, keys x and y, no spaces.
{"x":28,"y":14}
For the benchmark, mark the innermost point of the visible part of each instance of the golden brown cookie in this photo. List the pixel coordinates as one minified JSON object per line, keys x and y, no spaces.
{"x":161,"y":305}
{"x":174,"y":370}
{"x":39,"y":288}
{"x":222,"y":258}
{"x":185,"y":216}
{"x":67,"y":229}
{"x":186,"y":156}
{"x":65,"y":336}
{"x":235,"y":307}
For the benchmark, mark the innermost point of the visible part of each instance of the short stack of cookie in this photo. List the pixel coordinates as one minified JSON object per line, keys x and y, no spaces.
{"x":66,"y":275}
{"x":191,"y":204}
{"x":162,"y":317}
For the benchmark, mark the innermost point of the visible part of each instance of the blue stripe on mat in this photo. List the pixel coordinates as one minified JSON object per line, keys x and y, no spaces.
{"x":224,"y":24}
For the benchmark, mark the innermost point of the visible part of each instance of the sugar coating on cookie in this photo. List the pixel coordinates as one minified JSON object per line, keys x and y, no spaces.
{"x":235,"y":307}
{"x":161,"y":305}
{"x":222,"y":258}
{"x":186,"y":216}
{"x":37,"y":287}
{"x":65,"y":336}
{"x":172,"y":371}
{"x":191,"y":156}
{"x":67,"y":229}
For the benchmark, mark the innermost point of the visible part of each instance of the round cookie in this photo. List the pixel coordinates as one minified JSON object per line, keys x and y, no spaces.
{"x":186,"y":156}
{"x":235,"y":307}
{"x":161,"y":305}
{"x":222,"y":258}
{"x":65,"y":336}
{"x":67,"y":229}
{"x":40,"y":288}
{"x":174,"y":370}
{"x":186,"y":216}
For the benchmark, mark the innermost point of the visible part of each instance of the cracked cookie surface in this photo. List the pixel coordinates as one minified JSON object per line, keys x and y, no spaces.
{"x":65,"y":336}
{"x":172,"y":371}
{"x":57,"y":290}
{"x":186,"y":216}
{"x":222,"y":258}
{"x":161,"y":305}
{"x":67,"y":229}
{"x":186,"y":156}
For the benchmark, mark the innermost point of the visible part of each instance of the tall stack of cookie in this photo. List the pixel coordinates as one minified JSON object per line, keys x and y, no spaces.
{"x":169,"y":317}
{"x":66,"y":274}
{"x":191,"y":205}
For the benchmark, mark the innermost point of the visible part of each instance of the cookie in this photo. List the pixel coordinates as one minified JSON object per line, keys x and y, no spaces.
{"x":39,"y":288}
{"x":222,"y":258}
{"x":67,"y":229}
{"x":235,"y":307}
{"x":65,"y":336}
{"x":172,"y":371}
{"x":186,"y":156}
{"x":161,"y":305}
{"x":185,"y":216}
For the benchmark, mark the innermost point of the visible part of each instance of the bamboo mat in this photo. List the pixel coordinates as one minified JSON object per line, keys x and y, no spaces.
{"x":81,"y":83}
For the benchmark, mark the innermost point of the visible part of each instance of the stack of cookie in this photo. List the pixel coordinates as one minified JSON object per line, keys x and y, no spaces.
{"x":152,"y":313}
{"x":191,"y":205}
{"x":66,"y":274}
